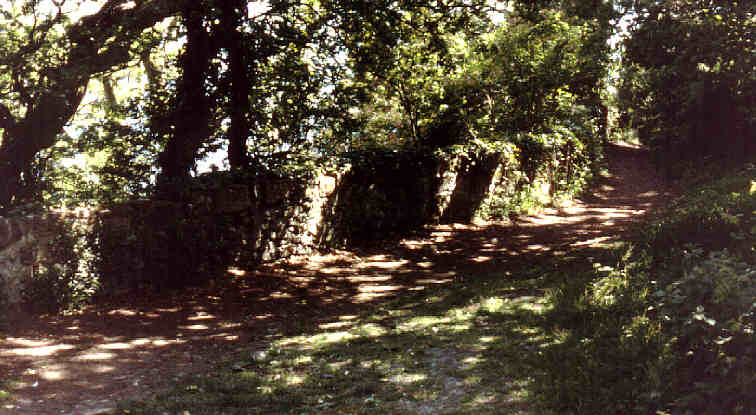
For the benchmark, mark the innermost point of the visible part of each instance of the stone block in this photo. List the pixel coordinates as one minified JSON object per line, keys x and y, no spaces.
{"x":116,"y":223}
{"x":13,"y":271}
{"x":232,"y":199}
{"x":11,"y":230}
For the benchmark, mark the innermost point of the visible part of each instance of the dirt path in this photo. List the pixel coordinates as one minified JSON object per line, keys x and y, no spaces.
{"x":83,"y":363}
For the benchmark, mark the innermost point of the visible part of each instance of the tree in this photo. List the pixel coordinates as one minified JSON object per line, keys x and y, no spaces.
{"x":232,"y":16}
{"x":232,"y":82}
{"x":531,"y":80}
{"x":191,"y":122}
{"x":47,"y":65}
{"x":689,"y":79}
{"x":285,"y":82}
{"x":304,"y":67}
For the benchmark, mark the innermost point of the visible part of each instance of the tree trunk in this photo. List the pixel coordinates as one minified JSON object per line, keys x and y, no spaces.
{"x":111,"y":102}
{"x":100,"y":41}
{"x":192,"y":116}
{"x":240,"y":83}
{"x":153,"y":74}
{"x":39,"y":130}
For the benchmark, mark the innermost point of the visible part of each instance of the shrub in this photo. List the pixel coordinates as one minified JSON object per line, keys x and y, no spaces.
{"x":708,"y":313}
{"x":60,"y":280}
{"x":668,"y":329}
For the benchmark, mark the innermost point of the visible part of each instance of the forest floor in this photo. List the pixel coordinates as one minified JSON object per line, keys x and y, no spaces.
{"x":418,"y":325}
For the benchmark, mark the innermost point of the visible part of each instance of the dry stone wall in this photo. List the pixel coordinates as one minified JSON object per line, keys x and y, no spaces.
{"x":229,"y":224}
{"x":238,"y":221}
{"x":32,"y":248}
{"x":18,"y":249}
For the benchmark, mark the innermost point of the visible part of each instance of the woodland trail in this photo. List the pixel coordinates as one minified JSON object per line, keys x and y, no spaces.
{"x":82,"y":363}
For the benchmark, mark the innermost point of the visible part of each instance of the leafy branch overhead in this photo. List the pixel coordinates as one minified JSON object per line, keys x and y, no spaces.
{"x":140,"y":92}
{"x":47,"y":68}
{"x":53,"y":49}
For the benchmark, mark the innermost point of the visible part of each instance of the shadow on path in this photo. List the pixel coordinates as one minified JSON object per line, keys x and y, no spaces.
{"x":82,"y":363}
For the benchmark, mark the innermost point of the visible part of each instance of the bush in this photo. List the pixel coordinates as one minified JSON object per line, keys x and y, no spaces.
{"x":708,"y":313}
{"x":60,"y":281}
{"x":668,"y":329}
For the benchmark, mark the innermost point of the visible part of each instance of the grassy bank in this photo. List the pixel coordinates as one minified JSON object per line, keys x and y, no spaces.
{"x":666,"y":327}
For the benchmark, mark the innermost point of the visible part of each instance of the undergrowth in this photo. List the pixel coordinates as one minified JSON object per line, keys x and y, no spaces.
{"x":4,"y":390}
{"x":666,"y":327}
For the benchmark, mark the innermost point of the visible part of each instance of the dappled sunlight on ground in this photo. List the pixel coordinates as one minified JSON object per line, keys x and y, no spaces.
{"x":138,"y":344}
{"x":61,"y":361}
{"x":33,"y":348}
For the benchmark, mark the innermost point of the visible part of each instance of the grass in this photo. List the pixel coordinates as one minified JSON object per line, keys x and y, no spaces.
{"x":4,"y":387}
{"x":667,"y":325}
{"x":4,"y":394}
{"x":471,"y":347}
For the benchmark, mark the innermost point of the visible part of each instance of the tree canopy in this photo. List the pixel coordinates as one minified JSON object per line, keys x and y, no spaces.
{"x":689,"y":79}
{"x":104,"y":100}
{"x":260,"y":76}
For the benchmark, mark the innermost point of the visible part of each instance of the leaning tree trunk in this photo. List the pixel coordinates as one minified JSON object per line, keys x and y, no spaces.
{"x":39,"y":130}
{"x":99,"y":42}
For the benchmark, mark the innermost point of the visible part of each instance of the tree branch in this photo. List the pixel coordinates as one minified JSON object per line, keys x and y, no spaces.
{"x":98,"y":42}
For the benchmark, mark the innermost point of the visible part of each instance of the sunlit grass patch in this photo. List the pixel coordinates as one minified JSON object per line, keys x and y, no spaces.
{"x":319,"y":340}
{"x":493,"y":305}
{"x":461,"y":348}
{"x":369,"y":330}
{"x":472,"y":380}
{"x":422,"y":323}
{"x":457,"y":328}
{"x":292,"y":379}
{"x":408,"y":378}
{"x":302,"y":360}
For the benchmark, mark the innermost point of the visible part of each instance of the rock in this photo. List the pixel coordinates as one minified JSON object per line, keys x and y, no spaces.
{"x":232,"y":199}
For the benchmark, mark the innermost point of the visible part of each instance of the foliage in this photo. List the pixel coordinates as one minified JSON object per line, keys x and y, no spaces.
{"x":526,"y":84}
{"x":669,"y":328}
{"x":406,"y":100}
{"x":710,"y":320}
{"x":286,"y":80}
{"x":688,"y":79}
{"x":263,"y":80}
{"x":49,"y":56}
{"x":108,"y":162}
{"x":492,"y":82}
{"x":60,"y":281}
